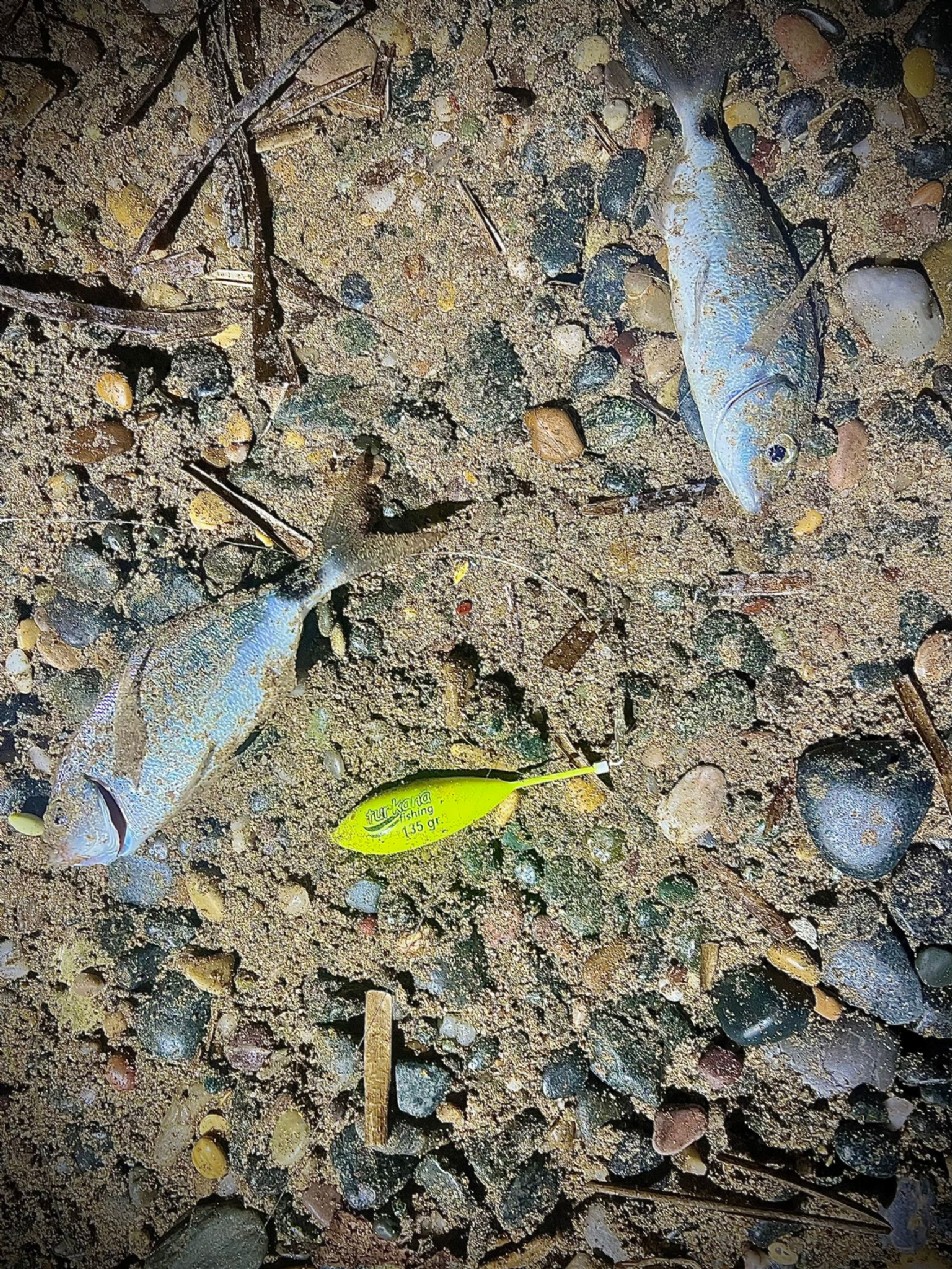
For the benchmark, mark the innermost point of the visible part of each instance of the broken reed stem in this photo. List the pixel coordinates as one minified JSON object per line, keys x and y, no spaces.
{"x":378,"y":1057}
{"x":756,"y":906}
{"x":145,"y":323}
{"x":728,"y":1206}
{"x":256,"y":513}
{"x":813,"y":1191}
{"x":917,"y":711}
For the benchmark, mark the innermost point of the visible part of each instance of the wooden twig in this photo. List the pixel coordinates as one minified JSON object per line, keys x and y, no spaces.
{"x":378,"y":1059}
{"x":755,"y":585}
{"x":794,"y":1183}
{"x":241,"y":113}
{"x":687,"y":495}
{"x":482,"y":216}
{"x":256,"y":513}
{"x":917,"y":711}
{"x":756,"y":906}
{"x":602,"y":135}
{"x":730,"y":1207}
{"x":145,"y":323}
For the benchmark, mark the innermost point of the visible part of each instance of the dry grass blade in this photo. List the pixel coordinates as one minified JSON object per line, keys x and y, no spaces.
{"x":763,"y":913}
{"x":143,"y":323}
{"x":300,"y":104}
{"x":232,"y":169}
{"x":150,"y":89}
{"x":602,"y":135}
{"x":687,"y":495}
{"x":794,"y":1183}
{"x":378,"y":1061}
{"x":256,"y":513}
{"x":242,"y":112}
{"x":730,"y":1207}
{"x":757,"y":585}
{"x":482,"y":217}
{"x":917,"y":711}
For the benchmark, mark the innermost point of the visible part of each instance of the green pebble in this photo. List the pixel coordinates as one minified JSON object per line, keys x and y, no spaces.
{"x":605,"y":845}
{"x":481,"y":859}
{"x":678,"y":888}
{"x":650,"y":916}
{"x":934,"y":966}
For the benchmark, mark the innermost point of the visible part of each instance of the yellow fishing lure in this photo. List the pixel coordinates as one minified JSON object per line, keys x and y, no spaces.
{"x":429,"y":808}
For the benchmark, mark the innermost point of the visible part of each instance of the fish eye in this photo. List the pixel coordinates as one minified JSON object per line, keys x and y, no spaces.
{"x":60,"y":816}
{"x":781,"y":450}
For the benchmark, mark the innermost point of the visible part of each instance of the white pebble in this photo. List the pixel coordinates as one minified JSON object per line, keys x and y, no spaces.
{"x":896,"y":308}
{"x":569,"y":339}
{"x":442,"y":109}
{"x":889,"y":115}
{"x":615,"y":114}
{"x":19,"y":671}
{"x":380,"y":199}
{"x":694,"y":805}
{"x":440,"y":138}
{"x":592,"y":51}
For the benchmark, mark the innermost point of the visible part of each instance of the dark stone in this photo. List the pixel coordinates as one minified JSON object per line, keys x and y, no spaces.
{"x":140,"y":881}
{"x":594,"y":370}
{"x":77,"y":623}
{"x":165,"y":591}
{"x":874,"y":676}
{"x":138,"y":967}
{"x":723,"y":700}
{"x":797,"y":110}
{"x":839,"y":175}
{"x":561,"y":219}
{"x":447,"y":1187}
{"x":919,"y":895}
{"x":459,"y":975}
{"x":872,"y":61}
{"x":84,"y":574}
{"x":421,"y":1087}
{"x":172,"y":1022}
{"x":319,"y":407}
{"x":491,"y":379}
{"x":615,"y":421}
{"x":75,"y":693}
{"x":529,"y":1197}
{"x":881,"y":8}
{"x":732,"y":640}
{"x":200,"y":371}
{"x":213,"y":1235}
{"x":867,"y":1149}
{"x":756,"y":1006}
{"x":934,"y":966}
{"x":603,"y":287}
{"x":597,"y":1106}
{"x":634,"y":1154}
{"x":687,"y":408}
{"x":566,"y":1074}
{"x":368,"y":1179}
{"x":623,"y":177}
{"x":862,"y":799}
{"x":572,"y":887}
{"x":932,"y":30}
{"x":928,"y":160}
{"x":172,"y":928}
{"x":876,"y":975}
{"x":744,"y":140}
{"x":628,"y":1056}
{"x":846,"y":126}
{"x":355,"y":291}
{"x":919,"y":614}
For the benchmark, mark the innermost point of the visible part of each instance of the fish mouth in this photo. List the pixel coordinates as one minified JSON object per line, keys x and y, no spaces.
{"x":115,"y":812}
{"x":741,"y":479}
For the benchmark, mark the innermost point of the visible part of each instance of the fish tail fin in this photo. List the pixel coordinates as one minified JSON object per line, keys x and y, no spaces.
{"x":351,"y":550}
{"x":693,"y":73}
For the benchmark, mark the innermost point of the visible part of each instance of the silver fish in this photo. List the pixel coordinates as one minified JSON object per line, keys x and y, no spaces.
{"x":191,"y":695}
{"x":742,"y":309}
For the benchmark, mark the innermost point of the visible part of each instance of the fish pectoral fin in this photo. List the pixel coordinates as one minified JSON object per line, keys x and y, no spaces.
{"x":765,"y":338}
{"x":130,"y":736}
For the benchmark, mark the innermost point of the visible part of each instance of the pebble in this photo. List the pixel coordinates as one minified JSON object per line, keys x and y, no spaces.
{"x":934,"y":966}
{"x":491,"y":388}
{"x":120,"y":1073}
{"x":140,"y":881}
{"x":448,"y":1188}
{"x":96,"y":442}
{"x":933,"y":660}
{"x":927,"y":160}
{"x":661,"y":359}
{"x":635,"y":1154}
{"x":795,"y":961}
{"x":626,"y":1057}
{"x":677,"y":1127}
{"x":19,"y":670}
{"x":721,"y":1068}
{"x":25,"y":824}
{"x":553,"y":434}
{"x":566,"y":1074}
{"x":421,"y":1087}
{"x":130,"y":207}
{"x":871,"y":62}
{"x":591,"y":51}
{"x":210,"y":513}
{"x":573,"y":889}
{"x":797,"y":111}
{"x":364,"y":896}
{"x":249,"y":1048}
{"x":838,"y":176}
{"x":623,"y":178}
{"x":603,"y":286}
{"x":753,"y":1006}
{"x":863,"y":799}
{"x":569,"y":339}
{"x":919,"y":896}
{"x":595,"y":370}
{"x":876,"y":975}
{"x":910,"y":1216}
{"x":615,"y":421}
{"x":733,"y":641}
{"x":849,"y":464}
{"x":694,"y":805}
{"x":171,"y":1023}
{"x":648,"y":301}
{"x":209,"y":1158}
{"x":561,"y":220}
{"x":215,"y":1235}
{"x":928,"y":195}
{"x":867,"y":1149}
{"x":213,"y":972}
{"x":206,"y":897}
{"x":808,"y":54}
{"x":918,"y":72}
{"x":115,"y":390}
{"x":931,"y":30}
{"x":458,"y":975}
{"x":368,"y":1179}
{"x":846,"y":126}
{"x":289,"y":1138}
{"x":200,"y":371}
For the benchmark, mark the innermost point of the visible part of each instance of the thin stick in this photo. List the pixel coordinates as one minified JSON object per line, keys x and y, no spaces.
{"x":814,"y":1191}
{"x":378,"y":1058}
{"x":242,"y":112}
{"x":146,"y":323}
{"x":255,"y":512}
{"x":917,"y":711}
{"x":753,"y":585}
{"x":602,"y":135}
{"x":756,"y":905}
{"x":728,"y":1206}
{"x":482,"y":216}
